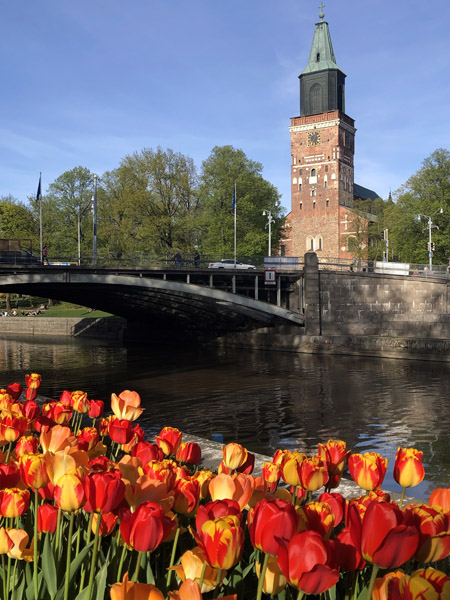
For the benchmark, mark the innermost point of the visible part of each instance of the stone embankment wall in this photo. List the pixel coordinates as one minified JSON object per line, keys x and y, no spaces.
{"x":105,"y":327}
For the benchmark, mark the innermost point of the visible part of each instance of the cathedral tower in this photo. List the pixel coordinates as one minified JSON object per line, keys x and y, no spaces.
{"x":322,"y":150}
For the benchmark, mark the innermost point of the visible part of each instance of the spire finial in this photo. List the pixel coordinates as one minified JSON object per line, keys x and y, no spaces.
{"x":321,"y":14}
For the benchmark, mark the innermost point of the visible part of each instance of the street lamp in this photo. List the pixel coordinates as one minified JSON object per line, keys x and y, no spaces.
{"x":430,"y":227}
{"x":270,"y":220}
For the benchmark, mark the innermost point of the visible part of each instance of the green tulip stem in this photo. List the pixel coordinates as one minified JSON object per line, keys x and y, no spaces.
{"x":8,"y":452}
{"x":69,"y":556}
{"x":294,"y":495}
{"x":402,"y":497}
{"x":58,"y":531}
{"x":35,"y":547}
{"x":202,"y":576}
{"x":88,"y":539}
{"x":172,"y":556}
{"x":8,"y":577}
{"x":219,"y":577}
{"x":300,"y":595}
{"x":262,"y":574}
{"x":372,"y":581}
{"x":138,"y":566}
{"x":122,"y":559}
{"x":94,"y":557}
{"x":3,"y":576}
{"x":14,"y":579}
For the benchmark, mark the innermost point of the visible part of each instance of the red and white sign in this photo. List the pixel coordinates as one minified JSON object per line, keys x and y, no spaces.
{"x":270,"y":276}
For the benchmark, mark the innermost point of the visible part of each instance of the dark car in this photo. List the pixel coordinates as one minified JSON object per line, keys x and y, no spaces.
{"x":18,"y":257}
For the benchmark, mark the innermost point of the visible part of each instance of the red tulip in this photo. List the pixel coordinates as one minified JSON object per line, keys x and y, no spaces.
{"x":104,"y":492}
{"x":335,"y":455}
{"x":337,"y":504}
{"x":96,"y":408}
{"x":189,"y":452}
{"x":146,"y":528}
{"x":47,"y":518}
{"x":308,"y":562}
{"x":348,"y":542}
{"x":187,"y":496}
{"x":9,"y":476}
{"x":385,"y":540}
{"x":120,"y":431}
{"x":440,"y":497}
{"x":147,"y":452}
{"x":14,"y":390}
{"x":31,"y":409}
{"x":107,"y":523}
{"x":408,"y":467}
{"x":270,"y":522}
{"x":66,"y":398}
{"x":367,"y":470}
{"x":169,"y":440}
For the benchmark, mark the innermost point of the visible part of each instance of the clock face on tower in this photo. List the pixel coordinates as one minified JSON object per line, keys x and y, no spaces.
{"x":313,"y":138}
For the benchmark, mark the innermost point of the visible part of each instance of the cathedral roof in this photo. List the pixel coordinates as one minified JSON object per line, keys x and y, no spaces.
{"x":364,"y":193}
{"x":322,"y":56}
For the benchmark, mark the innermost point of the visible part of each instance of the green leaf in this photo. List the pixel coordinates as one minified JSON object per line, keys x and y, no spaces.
{"x":74,"y":568}
{"x":101,"y":582}
{"x":49,"y":567}
{"x":149,"y":574}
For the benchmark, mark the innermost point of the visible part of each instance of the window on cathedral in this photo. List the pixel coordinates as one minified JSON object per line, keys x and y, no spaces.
{"x":301,"y":205}
{"x":325,"y":183}
{"x":310,"y":243}
{"x":326,"y":168}
{"x":313,"y":192}
{"x":318,"y":57}
{"x":315,"y":99}
{"x":314,"y":204}
{"x":301,"y":172}
{"x":318,"y":243}
{"x":327,"y":203}
{"x":299,"y":187}
{"x":283,"y":250}
{"x":313,"y":172}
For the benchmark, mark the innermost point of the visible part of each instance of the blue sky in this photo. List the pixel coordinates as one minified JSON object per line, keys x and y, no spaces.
{"x":86,"y":82}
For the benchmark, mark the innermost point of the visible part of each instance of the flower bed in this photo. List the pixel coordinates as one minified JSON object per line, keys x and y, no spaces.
{"x":90,"y":509}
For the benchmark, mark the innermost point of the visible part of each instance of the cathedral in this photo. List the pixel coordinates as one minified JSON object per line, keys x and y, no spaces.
{"x":323,"y":191}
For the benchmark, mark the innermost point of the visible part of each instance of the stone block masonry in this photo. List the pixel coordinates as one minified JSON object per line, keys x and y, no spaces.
{"x":104,"y":327}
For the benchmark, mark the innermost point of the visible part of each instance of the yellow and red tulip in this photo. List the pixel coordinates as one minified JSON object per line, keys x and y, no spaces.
{"x":189,"y":452}
{"x":191,"y":566}
{"x":80,"y":402}
{"x":33,"y":470}
{"x":335,"y":454}
{"x":69,"y":492}
{"x":187,"y":496}
{"x":433,"y":526}
{"x":317,"y":516}
{"x":14,"y":502}
{"x":368,"y":470}
{"x":169,"y":440}
{"x":408,"y":468}
{"x":222,"y":541}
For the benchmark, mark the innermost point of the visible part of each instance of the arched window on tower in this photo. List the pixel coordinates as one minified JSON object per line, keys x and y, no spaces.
{"x":309,"y":243}
{"x":313,"y":176}
{"x":313,"y":193}
{"x":318,"y":57}
{"x":318,"y":242}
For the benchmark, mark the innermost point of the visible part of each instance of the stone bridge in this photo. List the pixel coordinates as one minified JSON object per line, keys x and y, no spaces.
{"x":194,"y":302}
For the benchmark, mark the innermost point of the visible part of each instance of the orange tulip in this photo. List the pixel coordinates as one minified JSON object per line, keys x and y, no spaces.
{"x":191,"y":566}
{"x":107,"y":523}
{"x":19,"y":549}
{"x":146,"y":489}
{"x":6,"y":542}
{"x":232,"y":487}
{"x":128,"y":590}
{"x":380,"y":588}
{"x":56,"y":439}
{"x":203,"y":478}
{"x":440,"y":497}
{"x":126,"y":405}
{"x":14,"y":502}
{"x":408,"y":467}
{"x":367,"y":470}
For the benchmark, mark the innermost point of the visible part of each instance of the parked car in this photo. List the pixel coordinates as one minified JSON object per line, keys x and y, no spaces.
{"x":228,"y":263}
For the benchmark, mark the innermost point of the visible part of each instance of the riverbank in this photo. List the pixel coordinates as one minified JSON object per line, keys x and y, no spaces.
{"x":91,"y":327}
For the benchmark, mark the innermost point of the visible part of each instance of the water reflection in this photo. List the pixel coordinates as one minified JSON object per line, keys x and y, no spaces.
{"x":263,"y":400}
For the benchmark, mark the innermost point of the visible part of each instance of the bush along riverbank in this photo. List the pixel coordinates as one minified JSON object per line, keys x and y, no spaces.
{"x":91,"y":508}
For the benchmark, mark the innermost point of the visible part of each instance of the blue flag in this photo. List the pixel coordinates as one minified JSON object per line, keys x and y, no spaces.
{"x":39,"y":193}
{"x":233,"y":204}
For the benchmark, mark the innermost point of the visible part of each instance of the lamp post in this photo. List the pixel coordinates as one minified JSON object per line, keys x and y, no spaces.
{"x":94,"y":223}
{"x":270,"y":220}
{"x":430,"y":227}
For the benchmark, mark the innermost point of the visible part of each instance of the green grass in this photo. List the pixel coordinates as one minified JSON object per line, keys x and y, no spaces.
{"x":66,"y":310}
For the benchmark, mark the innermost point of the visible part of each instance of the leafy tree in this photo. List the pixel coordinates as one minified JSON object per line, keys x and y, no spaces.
{"x":425,"y":193}
{"x":16,"y":220}
{"x":225,"y":167}
{"x":67,"y":212}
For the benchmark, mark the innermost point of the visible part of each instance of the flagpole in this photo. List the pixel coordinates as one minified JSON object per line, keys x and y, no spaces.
{"x":40,"y":216}
{"x":235,"y":203}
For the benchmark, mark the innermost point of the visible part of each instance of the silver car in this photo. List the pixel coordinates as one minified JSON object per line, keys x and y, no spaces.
{"x":228,"y":263}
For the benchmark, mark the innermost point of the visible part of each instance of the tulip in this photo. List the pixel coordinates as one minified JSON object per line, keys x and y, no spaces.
{"x":19,"y":548}
{"x":189,"y":452}
{"x":47,"y":518}
{"x":14,"y":390}
{"x":214,"y":510}
{"x":187,"y":496}
{"x":11,"y":427}
{"x":96,"y":408}
{"x":128,"y":590}
{"x":9,"y":476}
{"x":191,"y":567}
{"x":271,"y":473}
{"x":380,"y":590}
{"x":69,"y":492}
{"x":234,"y":455}
{"x":14,"y":502}
{"x":270,"y":522}
{"x":337,"y":503}
{"x":145,"y":489}
{"x":33,"y":380}
{"x":107,"y":523}
{"x":104,"y":492}
{"x":290,"y":469}
{"x":433,"y":526}
{"x":6,"y":542}
{"x":146,"y":528}
{"x":88,"y":438}
{"x":120,"y":431}
{"x":80,"y":402}
{"x":60,"y":413}
{"x":385,"y":540}
{"x":31,"y":409}
{"x":26,"y":444}
{"x":204,"y":477}
{"x":408,"y":468}
{"x":367,"y":470}
{"x":222,"y":541}
{"x":169,"y":440}
{"x":335,"y":454}
{"x":317,"y":516}
{"x":189,"y":590}
{"x":56,"y":439}
{"x":126,"y":405}
{"x":308,"y":562}
{"x":161,"y":471}
{"x":233,"y":487}
{"x":423,"y":584}
{"x":313,"y":474}
{"x":33,"y":470}
{"x":348,"y":542}
{"x":440,"y":497}
{"x":147,"y":452}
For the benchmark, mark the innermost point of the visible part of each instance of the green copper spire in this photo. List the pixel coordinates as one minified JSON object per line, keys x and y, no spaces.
{"x":322,"y":56}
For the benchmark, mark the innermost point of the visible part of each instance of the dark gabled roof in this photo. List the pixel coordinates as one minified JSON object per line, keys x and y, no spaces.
{"x":365,"y":194}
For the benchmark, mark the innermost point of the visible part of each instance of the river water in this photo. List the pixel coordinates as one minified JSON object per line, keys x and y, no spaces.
{"x":263,"y":400}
